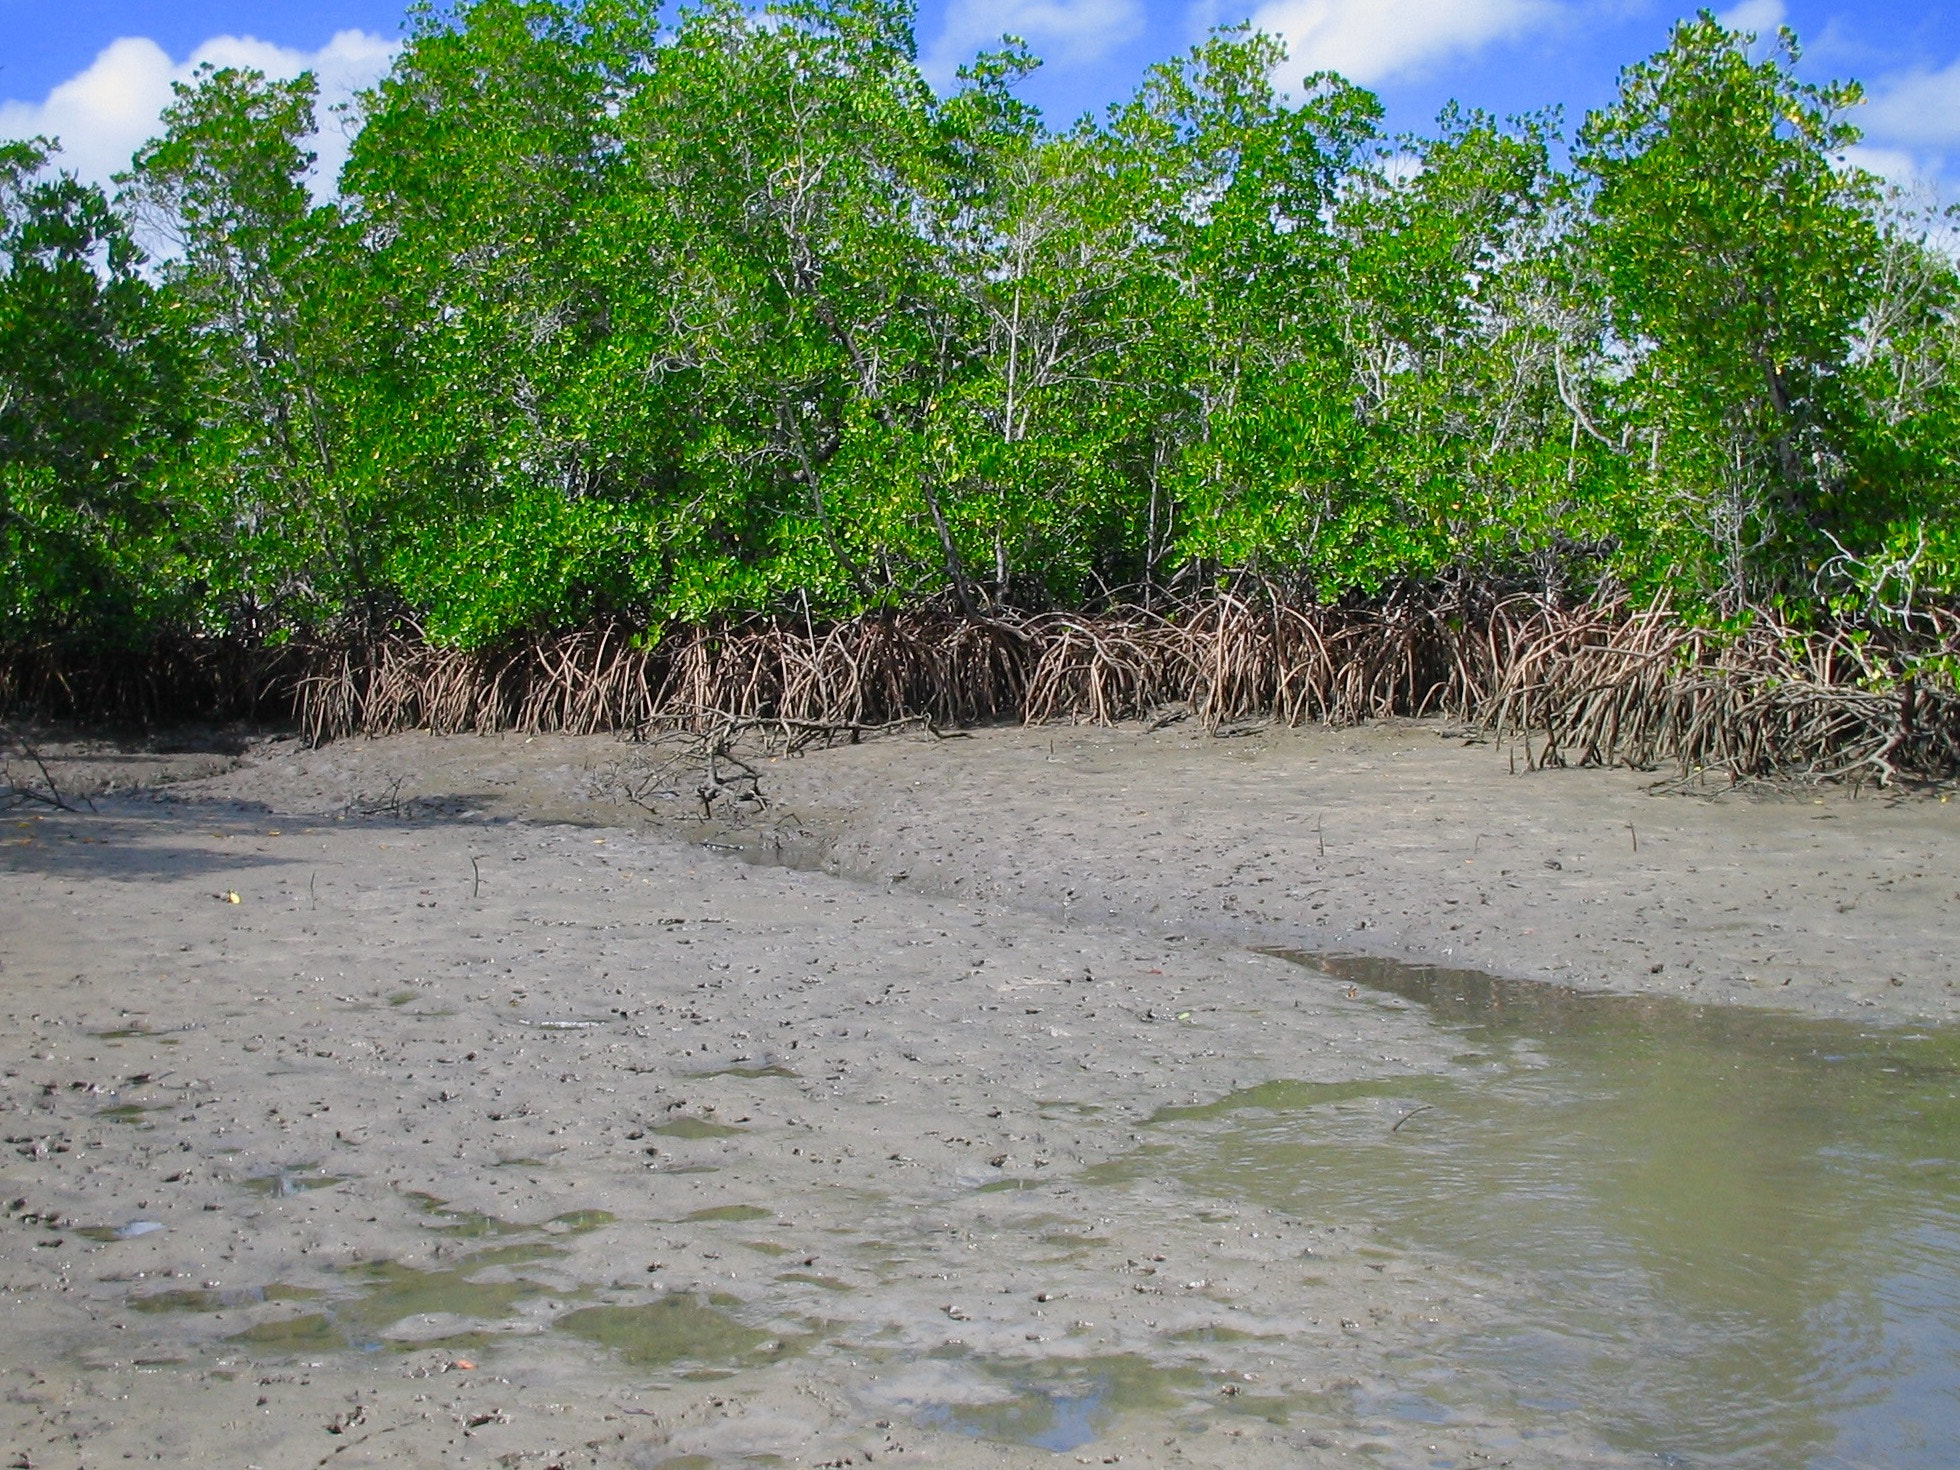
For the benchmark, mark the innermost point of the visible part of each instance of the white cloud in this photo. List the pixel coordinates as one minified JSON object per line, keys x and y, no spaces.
{"x":1068,"y":31}
{"x":1912,"y":124}
{"x":1919,"y":108}
{"x":1760,"y":16}
{"x":1915,"y":177}
{"x":104,"y":114}
{"x":1894,"y":165}
{"x":1918,"y":176}
{"x":1923,"y":190}
{"x":1369,"y":40}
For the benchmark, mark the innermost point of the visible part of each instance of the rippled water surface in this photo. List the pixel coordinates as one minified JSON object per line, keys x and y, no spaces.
{"x":1737,"y":1233}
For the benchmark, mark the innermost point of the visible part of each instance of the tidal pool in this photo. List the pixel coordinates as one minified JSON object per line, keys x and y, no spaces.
{"x":454,"y":1306}
{"x":298,"y":1179}
{"x":1057,"y":1406}
{"x":1733,"y":1235}
{"x":677,"y":1328}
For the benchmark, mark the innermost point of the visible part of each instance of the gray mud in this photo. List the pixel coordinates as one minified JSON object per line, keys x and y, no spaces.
{"x":423,"y":1102}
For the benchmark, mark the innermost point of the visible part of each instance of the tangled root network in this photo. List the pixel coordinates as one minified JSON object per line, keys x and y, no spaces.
{"x":1601,"y":682}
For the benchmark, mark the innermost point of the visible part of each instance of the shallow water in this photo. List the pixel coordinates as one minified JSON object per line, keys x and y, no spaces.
{"x":696,"y":1128}
{"x":1057,"y":1406}
{"x":298,"y":1179}
{"x":1737,"y":1233}
{"x":672,"y":1329}
{"x":384,"y":1303}
{"x":394,"y":1305}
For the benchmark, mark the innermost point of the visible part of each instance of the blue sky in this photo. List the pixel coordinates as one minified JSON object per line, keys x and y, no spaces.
{"x":96,"y":71}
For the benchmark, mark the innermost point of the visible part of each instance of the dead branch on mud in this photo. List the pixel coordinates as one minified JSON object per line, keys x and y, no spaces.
{"x":16,"y":792}
{"x":687,"y":765}
{"x":693,"y":756}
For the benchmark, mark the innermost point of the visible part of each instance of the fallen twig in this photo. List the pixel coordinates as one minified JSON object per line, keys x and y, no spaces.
{"x":1410,"y":1114}
{"x":16,"y":794}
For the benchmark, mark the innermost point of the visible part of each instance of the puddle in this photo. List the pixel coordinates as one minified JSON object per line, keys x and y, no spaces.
{"x":517,"y":1254}
{"x":219,"y":1299}
{"x":747,"y":1073}
{"x":474,"y":1225}
{"x":1213,"y":1334}
{"x":407,"y":1304}
{"x":392,"y":1305}
{"x":578,"y":1222}
{"x":828,"y":1283}
{"x":1073,"y":1241}
{"x":300,"y":1179}
{"x":1049,"y":1405}
{"x":675,"y":1329}
{"x":313,"y":1333}
{"x":1736,"y":1234}
{"x":730,"y":1212}
{"x":131,"y":1112}
{"x":134,"y":1230}
{"x":388,"y":1304}
{"x":696,"y":1128}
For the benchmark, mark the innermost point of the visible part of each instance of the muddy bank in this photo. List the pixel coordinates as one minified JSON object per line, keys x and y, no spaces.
{"x":1406,"y":840}
{"x":1398,"y":839}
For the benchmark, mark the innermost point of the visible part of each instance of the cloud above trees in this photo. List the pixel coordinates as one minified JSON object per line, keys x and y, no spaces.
{"x":105,"y":112}
{"x":1369,"y":41}
{"x":1920,"y":108}
{"x":1064,"y":31}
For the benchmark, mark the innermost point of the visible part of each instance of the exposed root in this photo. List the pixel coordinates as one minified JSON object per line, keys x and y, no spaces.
{"x":170,"y":680}
{"x":1596,"y":683}
{"x":1599,"y":682}
{"x":1644,"y":688}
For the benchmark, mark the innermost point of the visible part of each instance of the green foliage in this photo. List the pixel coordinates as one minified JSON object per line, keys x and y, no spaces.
{"x":90,"y":424}
{"x":612,"y":315}
{"x":1738,"y":258}
{"x":255,"y":278}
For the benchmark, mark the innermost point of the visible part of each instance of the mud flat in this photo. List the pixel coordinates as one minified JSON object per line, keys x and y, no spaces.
{"x":1410,"y":840}
{"x":1401,"y":839}
{"x":430,"y":1102}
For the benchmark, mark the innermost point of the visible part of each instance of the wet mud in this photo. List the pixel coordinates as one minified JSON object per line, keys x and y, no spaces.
{"x":500,"y":1131}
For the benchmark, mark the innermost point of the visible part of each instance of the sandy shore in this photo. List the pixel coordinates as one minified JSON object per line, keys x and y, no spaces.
{"x":425,"y":1054}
